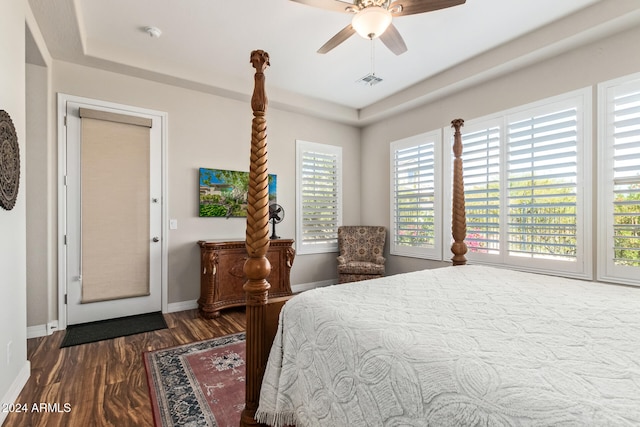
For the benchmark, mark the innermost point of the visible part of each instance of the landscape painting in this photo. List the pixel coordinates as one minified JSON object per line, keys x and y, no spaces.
{"x":223,"y":193}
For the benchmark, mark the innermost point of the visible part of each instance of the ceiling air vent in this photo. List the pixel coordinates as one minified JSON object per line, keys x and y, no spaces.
{"x":369,"y":80}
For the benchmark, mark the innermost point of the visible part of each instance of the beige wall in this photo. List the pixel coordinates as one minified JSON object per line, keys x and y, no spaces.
{"x":210,"y":131}
{"x":38,"y":208}
{"x":586,"y":66}
{"x":13,"y":288}
{"x":41,"y":180}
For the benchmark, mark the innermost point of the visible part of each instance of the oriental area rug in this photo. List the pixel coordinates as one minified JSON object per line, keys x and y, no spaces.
{"x":198,"y":384}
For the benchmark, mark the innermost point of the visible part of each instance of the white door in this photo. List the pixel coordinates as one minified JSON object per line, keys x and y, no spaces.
{"x":113,"y":212}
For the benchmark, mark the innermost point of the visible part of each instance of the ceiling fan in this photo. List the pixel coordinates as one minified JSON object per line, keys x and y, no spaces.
{"x":372,"y":18}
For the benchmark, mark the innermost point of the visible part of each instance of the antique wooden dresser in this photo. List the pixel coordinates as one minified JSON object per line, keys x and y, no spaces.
{"x":222,"y":276}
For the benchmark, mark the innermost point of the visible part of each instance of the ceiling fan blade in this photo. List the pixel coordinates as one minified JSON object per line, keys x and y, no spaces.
{"x":393,"y":40}
{"x":412,"y":7}
{"x":335,"y":5}
{"x":342,"y":35}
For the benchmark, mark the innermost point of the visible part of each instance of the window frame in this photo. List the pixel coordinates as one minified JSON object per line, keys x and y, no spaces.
{"x":435,"y":252}
{"x":607,"y":270}
{"x":303,"y":246}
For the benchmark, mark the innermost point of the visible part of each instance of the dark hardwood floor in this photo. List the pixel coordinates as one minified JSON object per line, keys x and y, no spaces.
{"x":104,"y":383}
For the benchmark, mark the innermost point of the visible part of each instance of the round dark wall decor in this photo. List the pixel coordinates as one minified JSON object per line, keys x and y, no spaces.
{"x":9,"y":162}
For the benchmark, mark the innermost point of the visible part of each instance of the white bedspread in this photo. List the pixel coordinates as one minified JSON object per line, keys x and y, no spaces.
{"x":457,"y":346}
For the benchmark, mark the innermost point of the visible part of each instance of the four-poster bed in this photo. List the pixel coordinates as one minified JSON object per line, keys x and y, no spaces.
{"x":465,"y":345}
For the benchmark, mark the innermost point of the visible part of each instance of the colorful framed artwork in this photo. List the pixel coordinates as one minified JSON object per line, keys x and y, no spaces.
{"x":223,"y":193}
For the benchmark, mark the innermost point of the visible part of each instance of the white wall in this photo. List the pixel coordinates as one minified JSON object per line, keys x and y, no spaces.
{"x":14,"y":368}
{"x":585,"y":66}
{"x":210,"y":131}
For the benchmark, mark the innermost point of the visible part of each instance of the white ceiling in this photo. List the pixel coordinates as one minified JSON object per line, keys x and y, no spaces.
{"x":205,"y":44}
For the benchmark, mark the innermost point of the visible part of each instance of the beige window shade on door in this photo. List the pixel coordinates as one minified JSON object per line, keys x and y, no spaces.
{"x":115,"y":201}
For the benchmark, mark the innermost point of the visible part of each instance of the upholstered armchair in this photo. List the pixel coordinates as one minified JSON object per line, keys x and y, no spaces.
{"x":361,"y":248}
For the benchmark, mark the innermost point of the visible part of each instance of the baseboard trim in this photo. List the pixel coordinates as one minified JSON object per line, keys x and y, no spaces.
{"x":182,"y":306}
{"x":312,"y":285}
{"x":16,"y":387}
{"x":37,"y":331}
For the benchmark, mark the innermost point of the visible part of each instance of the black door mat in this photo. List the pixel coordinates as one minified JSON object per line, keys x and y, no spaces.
{"x":113,"y":328}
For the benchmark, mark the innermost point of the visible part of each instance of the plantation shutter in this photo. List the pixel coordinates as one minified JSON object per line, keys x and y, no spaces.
{"x":415,"y":209}
{"x":542,"y":170}
{"x":319,"y":196}
{"x":621,"y":151}
{"x":481,"y":172}
{"x":626,"y":179}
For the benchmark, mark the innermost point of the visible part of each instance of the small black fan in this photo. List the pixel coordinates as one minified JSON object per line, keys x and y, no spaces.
{"x":276,"y":215}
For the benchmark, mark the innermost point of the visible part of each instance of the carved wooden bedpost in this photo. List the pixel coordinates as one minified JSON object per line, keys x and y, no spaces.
{"x":257,"y":267}
{"x":458,"y":219}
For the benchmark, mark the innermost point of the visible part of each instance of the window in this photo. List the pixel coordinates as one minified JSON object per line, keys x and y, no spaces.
{"x":526,"y":187}
{"x":318,"y":197}
{"x":481,"y":173}
{"x":415,"y":194}
{"x":528,"y":183}
{"x":543,"y":170}
{"x":619,"y":192}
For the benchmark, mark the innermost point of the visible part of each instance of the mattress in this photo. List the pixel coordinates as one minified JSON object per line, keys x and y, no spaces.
{"x":457,"y":346}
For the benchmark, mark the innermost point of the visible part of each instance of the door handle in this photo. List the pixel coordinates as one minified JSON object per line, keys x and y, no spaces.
{"x":155,"y":239}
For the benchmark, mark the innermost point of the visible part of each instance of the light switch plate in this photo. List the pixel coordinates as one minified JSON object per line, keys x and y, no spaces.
{"x":173,"y":224}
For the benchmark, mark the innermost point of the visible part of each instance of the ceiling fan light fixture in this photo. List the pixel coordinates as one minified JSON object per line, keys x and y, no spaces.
{"x":371,"y":22}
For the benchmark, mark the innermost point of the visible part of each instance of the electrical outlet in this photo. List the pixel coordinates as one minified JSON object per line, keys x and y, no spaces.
{"x":9,"y":353}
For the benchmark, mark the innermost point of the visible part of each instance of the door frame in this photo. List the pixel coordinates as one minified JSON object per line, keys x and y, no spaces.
{"x":63,"y":99}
